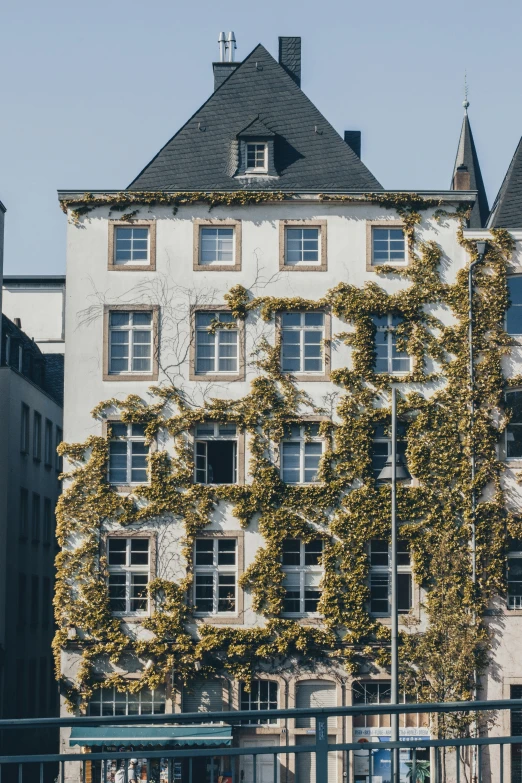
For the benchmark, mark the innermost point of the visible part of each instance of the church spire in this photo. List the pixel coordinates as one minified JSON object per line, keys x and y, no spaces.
{"x":466,"y":171}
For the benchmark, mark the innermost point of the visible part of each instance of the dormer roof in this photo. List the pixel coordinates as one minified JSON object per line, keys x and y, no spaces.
{"x":256,"y":130}
{"x":309,"y":155}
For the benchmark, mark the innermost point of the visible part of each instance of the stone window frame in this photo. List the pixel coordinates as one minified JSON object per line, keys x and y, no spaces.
{"x":151,"y":266}
{"x":198,"y":224}
{"x":321,"y":224}
{"x":229,"y":619}
{"x":292,"y":699}
{"x":370,"y":225}
{"x":215,"y":376}
{"x":152,"y":536}
{"x":124,"y":488}
{"x":152,"y":376}
{"x":240,"y":456}
{"x":327,"y":347}
{"x":513,"y":463}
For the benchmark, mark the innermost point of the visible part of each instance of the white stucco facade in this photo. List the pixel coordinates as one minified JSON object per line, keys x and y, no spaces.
{"x":39,"y":304}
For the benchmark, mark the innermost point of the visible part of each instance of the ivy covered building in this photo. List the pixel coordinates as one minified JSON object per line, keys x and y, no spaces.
{"x":235,"y":318}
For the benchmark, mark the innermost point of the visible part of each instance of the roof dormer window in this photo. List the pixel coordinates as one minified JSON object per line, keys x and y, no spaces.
{"x":256,"y":157}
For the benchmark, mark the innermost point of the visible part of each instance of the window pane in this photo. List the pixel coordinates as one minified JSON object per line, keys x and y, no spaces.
{"x":291,"y":552}
{"x":313,"y":453}
{"x":204,"y":551}
{"x":291,"y":462}
{"x":226,"y":593}
{"x":139,"y":552}
{"x":379,"y":593}
{"x":204,"y":593}
{"x":314,"y":319}
{"x":227,"y":551}
{"x":118,"y":318}
{"x":291,"y":319}
{"x":379,"y":553}
{"x":138,"y":596}
{"x":404,"y":592}
{"x":117,"y":551}
{"x":292,"y":598}
{"x":117,"y":592}
{"x":313,"y":552}
{"x":514,"y":314}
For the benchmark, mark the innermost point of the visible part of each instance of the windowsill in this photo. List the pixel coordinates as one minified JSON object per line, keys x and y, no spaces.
{"x":215,"y":376}
{"x":303,"y":267}
{"x":250,"y":172}
{"x":303,"y":483}
{"x":111,"y":376}
{"x":231,"y":484}
{"x":127,"y":488}
{"x":307,"y":377}
{"x":218,"y":619}
{"x":132,"y":267}
{"x":217,"y":267}
{"x":130,"y":618}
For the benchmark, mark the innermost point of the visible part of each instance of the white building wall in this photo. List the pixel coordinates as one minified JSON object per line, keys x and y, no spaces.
{"x":39,"y":303}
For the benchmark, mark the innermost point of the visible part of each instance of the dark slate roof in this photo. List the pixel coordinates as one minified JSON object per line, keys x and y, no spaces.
{"x":45,"y":370}
{"x":257,"y":128}
{"x":54,"y":376}
{"x":507,"y":209}
{"x":467,"y":156}
{"x":309,"y":154}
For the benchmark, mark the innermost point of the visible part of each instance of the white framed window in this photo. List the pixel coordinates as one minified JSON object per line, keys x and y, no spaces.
{"x":514,"y":575}
{"x":215,"y":448}
{"x":130,"y":341}
{"x":381,"y":446}
{"x":301,"y":452}
{"x":257,"y":157}
{"x":302,"y":338}
{"x":388,"y":245}
{"x":24,"y":429}
{"x":380,"y":577}
{"x":217,"y":350}
{"x":216,"y":245}
{"x":109,"y":701}
{"x":128,"y":561}
{"x":215,"y":575}
{"x":128,"y":453}
{"x":262,"y":695}
{"x":514,"y":428}
{"x":388,"y":357}
{"x":514,"y":311}
{"x":303,"y":571}
{"x":302,"y":245}
{"x":131,"y":245}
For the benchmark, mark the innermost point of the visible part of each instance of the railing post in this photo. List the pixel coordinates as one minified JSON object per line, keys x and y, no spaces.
{"x":321,"y":749}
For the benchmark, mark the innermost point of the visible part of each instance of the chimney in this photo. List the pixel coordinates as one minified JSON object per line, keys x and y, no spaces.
{"x":353,"y":139}
{"x":222,"y":71}
{"x":461,"y":180}
{"x":290,"y":57}
{"x":17,"y":322}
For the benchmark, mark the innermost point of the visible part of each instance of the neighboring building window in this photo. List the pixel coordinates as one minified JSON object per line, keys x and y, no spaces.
{"x":303,"y":572}
{"x":381,"y":448}
{"x":217,"y":349}
{"x":24,"y":512}
{"x":203,"y":695}
{"x":47,"y":521}
{"x":514,"y":311}
{"x":24,"y":429}
{"x":46,"y":601}
{"x":128,"y":561}
{"x":315,"y":693}
{"x":256,"y":157}
{"x":388,"y":357}
{"x":48,"y":443}
{"x":109,"y":701}
{"x":37,"y":436}
{"x":262,"y":695}
{"x":131,"y":245}
{"x":35,"y":594}
{"x":22,"y":599}
{"x":388,"y":245}
{"x":216,"y":453}
{"x":379,"y":692}
{"x":35,"y":518}
{"x":302,"y":246}
{"x":216,"y":245}
{"x":215,"y":575}
{"x":514,"y":575}
{"x":58,"y":461}
{"x":514,"y":427}
{"x":8,"y":350}
{"x":302,"y":337}
{"x":380,"y":577}
{"x":301,"y":452}
{"x":128,"y":454}
{"x":130,"y":342}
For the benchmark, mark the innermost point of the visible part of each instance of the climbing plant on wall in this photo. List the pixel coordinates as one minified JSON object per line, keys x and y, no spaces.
{"x":346,"y":508}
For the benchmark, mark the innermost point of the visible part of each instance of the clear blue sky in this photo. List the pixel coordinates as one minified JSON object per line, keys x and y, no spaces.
{"x":91,"y":90}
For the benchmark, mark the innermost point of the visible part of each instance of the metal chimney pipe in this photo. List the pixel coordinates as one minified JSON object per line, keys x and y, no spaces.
{"x":222,"y":47}
{"x":231,"y":43}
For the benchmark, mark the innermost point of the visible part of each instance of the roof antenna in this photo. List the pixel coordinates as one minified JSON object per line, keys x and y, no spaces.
{"x":231,"y":45}
{"x":222,"y":47}
{"x":465,"y":102}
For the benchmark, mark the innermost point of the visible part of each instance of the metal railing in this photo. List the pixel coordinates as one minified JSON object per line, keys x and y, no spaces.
{"x":355,"y":761}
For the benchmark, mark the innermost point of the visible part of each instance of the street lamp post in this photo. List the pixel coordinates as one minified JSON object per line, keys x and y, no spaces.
{"x":394,"y":470}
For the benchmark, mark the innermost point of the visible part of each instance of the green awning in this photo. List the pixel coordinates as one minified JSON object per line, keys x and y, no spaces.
{"x":151,"y":735}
